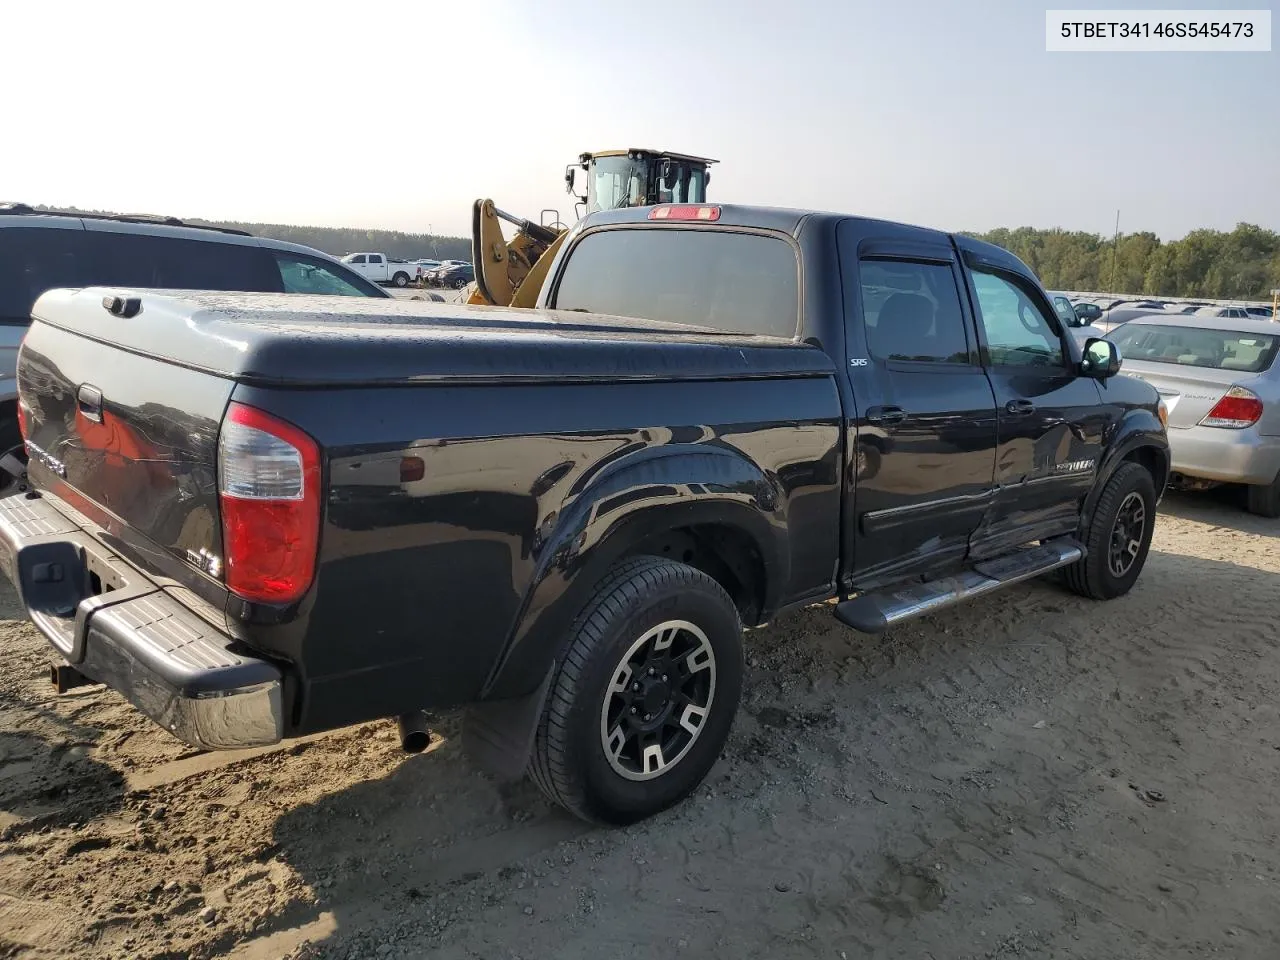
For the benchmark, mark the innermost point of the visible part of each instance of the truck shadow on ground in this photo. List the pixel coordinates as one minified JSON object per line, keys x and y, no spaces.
{"x":870,"y":798}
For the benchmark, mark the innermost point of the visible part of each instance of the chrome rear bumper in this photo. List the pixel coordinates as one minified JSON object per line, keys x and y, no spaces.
{"x":117,"y":626}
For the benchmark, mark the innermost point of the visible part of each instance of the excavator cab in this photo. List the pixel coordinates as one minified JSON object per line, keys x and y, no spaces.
{"x":638,"y":177}
{"x":511,"y":272}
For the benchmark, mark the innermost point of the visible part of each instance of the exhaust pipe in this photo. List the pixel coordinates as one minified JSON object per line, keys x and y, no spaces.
{"x":415,"y":735}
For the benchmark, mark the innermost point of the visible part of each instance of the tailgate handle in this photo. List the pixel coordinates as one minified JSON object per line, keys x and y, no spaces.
{"x":89,"y":402}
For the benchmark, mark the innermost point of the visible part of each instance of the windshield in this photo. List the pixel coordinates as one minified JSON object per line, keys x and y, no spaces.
{"x":617,"y":182}
{"x":1196,"y":347}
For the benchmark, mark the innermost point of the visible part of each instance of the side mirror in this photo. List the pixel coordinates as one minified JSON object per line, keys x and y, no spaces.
{"x":1101,"y":359}
{"x":569,"y":177}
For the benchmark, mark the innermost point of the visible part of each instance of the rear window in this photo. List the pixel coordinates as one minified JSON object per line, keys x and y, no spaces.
{"x":736,"y":282}
{"x":1196,"y":347}
{"x":36,"y":259}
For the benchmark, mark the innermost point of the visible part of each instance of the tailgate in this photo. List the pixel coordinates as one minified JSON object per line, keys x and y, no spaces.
{"x":132,"y":442}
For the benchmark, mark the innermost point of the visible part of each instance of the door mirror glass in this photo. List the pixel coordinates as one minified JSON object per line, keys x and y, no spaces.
{"x":1101,"y":358}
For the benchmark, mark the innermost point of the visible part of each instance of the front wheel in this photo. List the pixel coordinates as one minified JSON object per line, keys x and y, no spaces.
{"x":645,"y":695}
{"x":1119,"y":536}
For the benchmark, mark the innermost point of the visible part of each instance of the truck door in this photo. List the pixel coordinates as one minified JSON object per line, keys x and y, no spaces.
{"x":377,"y":269}
{"x":921,"y":439}
{"x":1051,"y":419}
{"x":359,"y":263}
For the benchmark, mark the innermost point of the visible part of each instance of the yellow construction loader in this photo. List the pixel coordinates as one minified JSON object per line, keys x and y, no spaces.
{"x":511,"y":272}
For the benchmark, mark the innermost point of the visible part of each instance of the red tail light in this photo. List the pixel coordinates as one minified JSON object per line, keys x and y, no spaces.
{"x":269,"y":490}
{"x":1238,"y":408}
{"x":22,"y":420}
{"x":680,"y":211}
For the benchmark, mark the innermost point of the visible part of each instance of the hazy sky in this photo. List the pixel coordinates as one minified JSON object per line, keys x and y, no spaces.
{"x":398,"y":115}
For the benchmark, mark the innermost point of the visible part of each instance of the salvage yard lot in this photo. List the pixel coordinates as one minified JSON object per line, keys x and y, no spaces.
{"x":1030,"y":775}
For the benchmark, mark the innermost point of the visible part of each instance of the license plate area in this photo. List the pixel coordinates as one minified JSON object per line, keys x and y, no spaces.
{"x":64,"y":582}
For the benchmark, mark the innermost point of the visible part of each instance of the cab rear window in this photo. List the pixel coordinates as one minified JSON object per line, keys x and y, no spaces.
{"x":735,"y":282}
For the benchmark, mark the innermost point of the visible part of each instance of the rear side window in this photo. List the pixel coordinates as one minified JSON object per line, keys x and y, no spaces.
{"x":911,"y":312}
{"x":140,"y":260}
{"x":36,"y":259}
{"x":736,"y":282}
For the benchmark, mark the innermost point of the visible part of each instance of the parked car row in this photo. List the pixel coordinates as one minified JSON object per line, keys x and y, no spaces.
{"x":454,"y":274}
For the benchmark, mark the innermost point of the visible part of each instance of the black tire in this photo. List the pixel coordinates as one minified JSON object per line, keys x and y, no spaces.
{"x":11,"y":444}
{"x":1264,"y":499}
{"x":459,"y":284}
{"x":400,"y":279}
{"x":570,"y":761}
{"x":1094,"y":576}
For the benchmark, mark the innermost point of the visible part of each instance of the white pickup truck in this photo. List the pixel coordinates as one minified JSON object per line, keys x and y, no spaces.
{"x":380,"y":268}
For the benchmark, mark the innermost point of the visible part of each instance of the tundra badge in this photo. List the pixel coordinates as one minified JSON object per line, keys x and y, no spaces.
{"x":202,"y":559}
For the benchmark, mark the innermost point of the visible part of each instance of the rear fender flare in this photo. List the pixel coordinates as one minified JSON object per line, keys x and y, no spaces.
{"x":647,"y":493}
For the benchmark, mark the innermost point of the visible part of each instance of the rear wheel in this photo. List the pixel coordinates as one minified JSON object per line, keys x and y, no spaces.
{"x":459,"y":284}
{"x":1119,"y":536}
{"x":645,"y":695}
{"x":401,"y":279}
{"x":1264,"y":499}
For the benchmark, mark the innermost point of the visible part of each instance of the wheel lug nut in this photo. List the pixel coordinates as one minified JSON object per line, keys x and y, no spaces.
{"x":664,"y":678}
{"x":652,"y":671}
{"x":648,"y":717}
{"x":634,"y":710}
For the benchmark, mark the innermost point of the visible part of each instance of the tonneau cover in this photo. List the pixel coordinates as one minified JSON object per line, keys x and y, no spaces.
{"x":294,"y":340}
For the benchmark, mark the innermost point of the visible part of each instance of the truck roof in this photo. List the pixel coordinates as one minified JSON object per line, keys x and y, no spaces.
{"x":791,"y":220}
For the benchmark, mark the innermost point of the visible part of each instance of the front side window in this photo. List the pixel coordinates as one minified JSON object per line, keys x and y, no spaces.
{"x":1019,"y":332}
{"x":358,"y":258}
{"x":301,"y":274}
{"x":733,"y":282}
{"x":911,"y":312}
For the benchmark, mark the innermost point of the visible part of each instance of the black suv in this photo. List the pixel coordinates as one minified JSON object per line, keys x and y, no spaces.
{"x":41,"y":250}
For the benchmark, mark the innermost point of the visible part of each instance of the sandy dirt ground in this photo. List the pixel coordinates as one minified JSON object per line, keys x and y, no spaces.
{"x":1030,"y":776}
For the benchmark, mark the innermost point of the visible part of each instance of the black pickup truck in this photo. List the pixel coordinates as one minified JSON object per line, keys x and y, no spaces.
{"x":260,"y":516}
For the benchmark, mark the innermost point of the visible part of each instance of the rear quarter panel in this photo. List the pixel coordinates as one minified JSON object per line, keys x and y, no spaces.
{"x":426,"y":586}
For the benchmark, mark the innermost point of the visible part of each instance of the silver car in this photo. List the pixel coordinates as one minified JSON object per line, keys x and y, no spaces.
{"x":1221,"y":384}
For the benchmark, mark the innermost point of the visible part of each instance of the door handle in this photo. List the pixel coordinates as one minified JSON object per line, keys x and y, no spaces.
{"x":886,"y":415}
{"x":1020,"y":407}
{"x":89,"y":402}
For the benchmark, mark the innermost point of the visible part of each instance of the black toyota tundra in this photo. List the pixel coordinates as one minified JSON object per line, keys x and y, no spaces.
{"x":260,"y":516}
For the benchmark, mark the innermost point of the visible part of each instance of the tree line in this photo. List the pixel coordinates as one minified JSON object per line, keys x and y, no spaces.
{"x":1241,"y":265}
{"x":337,"y":241}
